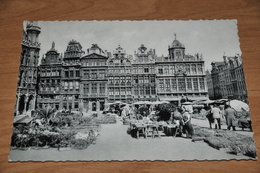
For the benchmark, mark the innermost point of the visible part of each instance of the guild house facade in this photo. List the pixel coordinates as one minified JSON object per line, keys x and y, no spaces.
{"x":88,"y":80}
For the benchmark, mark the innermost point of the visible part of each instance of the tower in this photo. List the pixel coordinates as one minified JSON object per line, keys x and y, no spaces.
{"x":27,"y":77}
{"x":176,"y":50}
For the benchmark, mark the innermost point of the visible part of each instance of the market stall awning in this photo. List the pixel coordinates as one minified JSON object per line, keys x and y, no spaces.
{"x":187,"y":103}
{"x":22,"y":119}
{"x":238,"y":105}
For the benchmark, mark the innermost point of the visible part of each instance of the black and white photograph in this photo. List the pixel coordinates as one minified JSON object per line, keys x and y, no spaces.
{"x":131,"y":90}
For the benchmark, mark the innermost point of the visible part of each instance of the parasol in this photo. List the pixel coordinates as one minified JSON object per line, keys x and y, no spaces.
{"x":187,"y":103}
{"x":238,"y":105}
{"x":118,"y":102}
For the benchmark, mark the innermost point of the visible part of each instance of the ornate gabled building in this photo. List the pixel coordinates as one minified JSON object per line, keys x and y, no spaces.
{"x":217,"y":79}
{"x":180,"y":75}
{"x":50,"y":85}
{"x":238,"y":78}
{"x":27,"y":79}
{"x":120,"y":77}
{"x":93,"y":86}
{"x":143,"y":74}
{"x":210,"y":85}
{"x":229,"y":79}
{"x":87,"y":82}
{"x":71,"y":75}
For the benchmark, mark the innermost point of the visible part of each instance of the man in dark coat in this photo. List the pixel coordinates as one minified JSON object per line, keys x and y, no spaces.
{"x":230,"y":115}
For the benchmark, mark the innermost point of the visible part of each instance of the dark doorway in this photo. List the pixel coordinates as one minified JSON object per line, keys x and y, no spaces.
{"x":101,"y":106}
{"x":29,"y":103}
{"x":21,"y":104}
{"x":94,"y":106}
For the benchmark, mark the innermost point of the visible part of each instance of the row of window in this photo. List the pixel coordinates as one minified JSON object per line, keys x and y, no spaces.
{"x":143,"y":79}
{"x":143,"y":70}
{"x":189,"y":69}
{"x":94,"y":63}
{"x":51,"y":73}
{"x":71,"y":73}
{"x":71,"y":85}
{"x":119,"y":70}
{"x":94,"y":88}
{"x":120,"y":91}
{"x":120,"y":80}
{"x":182,"y":84}
{"x":145,"y":90}
{"x":94,"y":74}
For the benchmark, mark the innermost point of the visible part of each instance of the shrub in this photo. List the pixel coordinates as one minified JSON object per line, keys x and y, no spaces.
{"x":217,"y":142}
{"x":165,"y":111}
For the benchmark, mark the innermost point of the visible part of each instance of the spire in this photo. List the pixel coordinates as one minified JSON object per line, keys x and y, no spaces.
{"x":175,"y":36}
{"x":53,"y":46}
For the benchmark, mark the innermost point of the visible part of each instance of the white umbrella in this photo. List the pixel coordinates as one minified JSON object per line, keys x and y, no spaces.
{"x":237,"y":105}
{"x":166,"y":102}
{"x":187,"y":103}
{"x":117,"y":102}
{"x":208,"y":102}
{"x":156,"y":103}
{"x":147,"y":102}
{"x":139,"y":103}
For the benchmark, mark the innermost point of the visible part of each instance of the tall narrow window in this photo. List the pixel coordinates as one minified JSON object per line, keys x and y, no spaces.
{"x":141,"y":79}
{"x":71,"y":73}
{"x":181,"y":84}
{"x":153,"y":92}
{"x":94,"y":88}
{"x":146,"y":79}
{"x":142,"y":91}
{"x":86,"y":88}
{"x":200,"y":69}
{"x":136,"y":92}
{"x":189,"y":84}
{"x":174,"y":84}
{"x":202,"y":84}
{"x":160,"y":71}
{"x":195,"y":84}
{"x":187,"y":67}
{"x":167,"y":84}
{"x":193,"y":67}
{"x":147,"y":90}
{"x":161,"y":84}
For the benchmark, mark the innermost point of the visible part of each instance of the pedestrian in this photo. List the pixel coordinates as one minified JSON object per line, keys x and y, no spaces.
{"x":177,"y":119}
{"x":244,"y":121}
{"x":216,"y":113}
{"x":209,"y":115}
{"x":187,"y":126}
{"x":230,"y":115}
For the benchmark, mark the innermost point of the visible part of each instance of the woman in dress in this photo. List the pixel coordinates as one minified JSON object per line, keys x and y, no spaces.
{"x":187,"y":126}
{"x":177,"y":119}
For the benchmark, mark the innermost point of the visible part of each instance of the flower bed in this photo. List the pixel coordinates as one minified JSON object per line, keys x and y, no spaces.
{"x":236,"y":143}
{"x":61,"y":130}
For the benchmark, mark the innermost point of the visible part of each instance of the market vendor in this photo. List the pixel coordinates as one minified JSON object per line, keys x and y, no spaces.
{"x":187,"y":126}
{"x":177,"y":119}
{"x":244,"y":121}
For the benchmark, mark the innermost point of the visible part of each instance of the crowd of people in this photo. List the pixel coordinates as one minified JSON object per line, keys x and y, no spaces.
{"x":180,"y":117}
{"x":233,"y":120}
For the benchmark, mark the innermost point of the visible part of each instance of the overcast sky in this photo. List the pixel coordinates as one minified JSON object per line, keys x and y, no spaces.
{"x":209,"y":38}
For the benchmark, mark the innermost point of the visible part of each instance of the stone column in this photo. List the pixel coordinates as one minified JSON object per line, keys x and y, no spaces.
{"x":98,"y":89}
{"x":25,"y":103}
{"x":33,"y":102}
{"x":17,"y":103}
{"x":89,"y":106}
{"x":98,"y":105}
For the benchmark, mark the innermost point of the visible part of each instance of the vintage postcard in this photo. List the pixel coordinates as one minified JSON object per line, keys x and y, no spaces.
{"x":131,"y":90}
